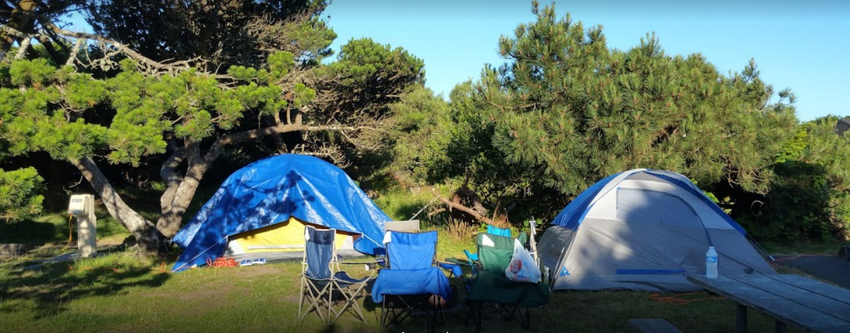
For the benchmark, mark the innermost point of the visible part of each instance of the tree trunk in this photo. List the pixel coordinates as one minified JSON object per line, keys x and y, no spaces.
{"x":144,"y":231}
{"x":180,"y":196}
{"x":170,"y":176}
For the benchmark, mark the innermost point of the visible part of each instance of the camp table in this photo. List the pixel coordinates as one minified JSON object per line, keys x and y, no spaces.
{"x":802,"y":303}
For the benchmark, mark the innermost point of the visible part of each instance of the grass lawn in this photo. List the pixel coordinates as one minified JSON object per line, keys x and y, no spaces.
{"x":118,"y":293}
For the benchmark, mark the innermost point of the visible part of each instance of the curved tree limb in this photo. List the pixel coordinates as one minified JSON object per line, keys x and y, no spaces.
{"x":150,"y":63}
{"x":169,"y":174}
{"x":141,"y":228}
{"x":146,"y":62}
{"x":470,"y":211}
{"x":239,"y":137}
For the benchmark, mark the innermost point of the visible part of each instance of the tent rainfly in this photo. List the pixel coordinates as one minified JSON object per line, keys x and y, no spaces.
{"x":643,"y":230}
{"x":265,"y":205}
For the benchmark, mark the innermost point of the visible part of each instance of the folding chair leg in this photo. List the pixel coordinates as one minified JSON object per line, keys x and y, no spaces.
{"x":474,"y":313}
{"x":440,"y":309}
{"x":301,"y":299}
{"x":526,"y":321}
{"x":330,"y":302}
{"x":385,"y":312}
{"x":431,"y":322}
{"x":502,"y":311}
{"x":317,"y":297}
{"x":479,"y":318}
{"x":407,"y":310}
{"x":316,"y":300}
{"x":523,"y":317}
{"x":389,"y":310}
{"x":350,"y":300}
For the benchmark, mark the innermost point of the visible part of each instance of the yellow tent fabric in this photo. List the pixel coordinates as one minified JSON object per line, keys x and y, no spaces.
{"x":280,"y":237}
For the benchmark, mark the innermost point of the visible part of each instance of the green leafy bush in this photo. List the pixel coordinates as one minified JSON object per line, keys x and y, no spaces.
{"x":19,"y":194}
{"x":809,"y":198}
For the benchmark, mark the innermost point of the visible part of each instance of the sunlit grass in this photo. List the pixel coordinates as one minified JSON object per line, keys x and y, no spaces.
{"x":119,"y":293}
{"x":403,"y":205}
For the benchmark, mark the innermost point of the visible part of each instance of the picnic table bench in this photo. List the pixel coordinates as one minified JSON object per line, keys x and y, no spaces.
{"x":802,"y":303}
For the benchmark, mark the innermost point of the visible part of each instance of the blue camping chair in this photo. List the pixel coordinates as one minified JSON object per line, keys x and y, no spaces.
{"x":410,"y":279}
{"x":322,"y":283}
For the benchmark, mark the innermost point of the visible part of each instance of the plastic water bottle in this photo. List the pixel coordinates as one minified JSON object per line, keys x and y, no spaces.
{"x":711,"y":263}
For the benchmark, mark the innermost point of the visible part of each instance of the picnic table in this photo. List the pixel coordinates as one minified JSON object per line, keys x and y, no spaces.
{"x":802,"y":303}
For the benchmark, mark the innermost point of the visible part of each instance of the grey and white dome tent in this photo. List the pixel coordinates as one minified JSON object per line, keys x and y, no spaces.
{"x":643,"y":230}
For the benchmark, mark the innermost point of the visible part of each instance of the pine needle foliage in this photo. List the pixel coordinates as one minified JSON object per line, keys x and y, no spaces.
{"x":566,"y":110}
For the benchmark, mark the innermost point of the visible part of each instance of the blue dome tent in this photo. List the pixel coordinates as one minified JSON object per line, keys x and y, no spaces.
{"x":643,"y":230}
{"x":276,"y":191}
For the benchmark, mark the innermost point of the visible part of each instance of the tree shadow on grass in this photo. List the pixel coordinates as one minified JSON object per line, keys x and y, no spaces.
{"x":46,"y":289}
{"x":29,"y":232}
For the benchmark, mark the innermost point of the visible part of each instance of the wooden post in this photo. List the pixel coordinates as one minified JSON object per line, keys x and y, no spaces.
{"x":780,"y":326}
{"x":741,"y":322}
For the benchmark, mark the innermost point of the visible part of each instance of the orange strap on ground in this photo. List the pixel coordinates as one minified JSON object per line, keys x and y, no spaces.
{"x":776,"y":262}
{"x":161,"y":268}
{"x":801,"y":255}
{"x":677,"y":300}
{"x":222,"y":262}
{"x":218,"y":262}
{"x":70,"y":234}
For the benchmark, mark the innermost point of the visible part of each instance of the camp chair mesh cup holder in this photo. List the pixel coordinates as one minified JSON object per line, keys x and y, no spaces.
{"x":489,"y":285}
{"x":411,"y":257}
{"x":329,"y":290}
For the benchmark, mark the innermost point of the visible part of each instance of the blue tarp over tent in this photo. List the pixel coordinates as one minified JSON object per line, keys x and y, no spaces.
{"x":272,"y":190}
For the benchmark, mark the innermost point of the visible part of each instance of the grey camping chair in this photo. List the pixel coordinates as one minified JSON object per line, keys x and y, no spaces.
{"x":327,"y":290}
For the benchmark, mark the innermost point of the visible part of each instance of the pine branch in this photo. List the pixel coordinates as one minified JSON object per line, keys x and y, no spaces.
{"x":147,"y":63}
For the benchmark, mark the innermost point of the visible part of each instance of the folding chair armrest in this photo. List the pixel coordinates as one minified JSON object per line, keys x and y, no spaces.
{"x":458,"y":261}
{"x":315,"y":279}
{"x":473,"y":260}
{"x":451,"y":267}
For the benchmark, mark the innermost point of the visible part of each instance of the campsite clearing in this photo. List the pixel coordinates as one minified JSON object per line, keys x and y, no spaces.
{"x":116,"y":293}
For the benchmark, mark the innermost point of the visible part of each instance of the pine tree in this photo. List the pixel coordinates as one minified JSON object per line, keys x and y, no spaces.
{"x":566,"y":111}
{"x":110,"y":103}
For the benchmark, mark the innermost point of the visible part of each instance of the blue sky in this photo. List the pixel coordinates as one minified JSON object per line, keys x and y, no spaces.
{"x":802,"y":45}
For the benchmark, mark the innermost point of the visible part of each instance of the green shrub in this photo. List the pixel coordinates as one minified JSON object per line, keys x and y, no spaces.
{"x":20,"y":196}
